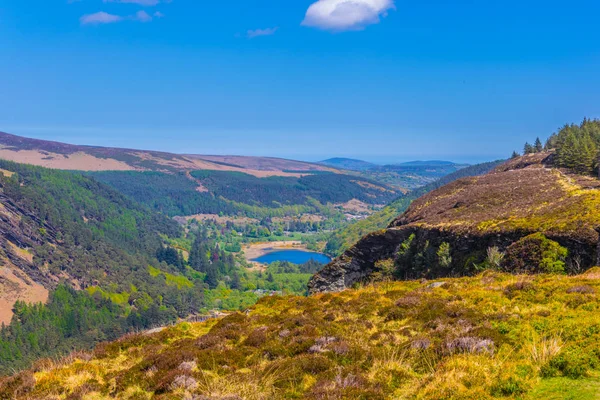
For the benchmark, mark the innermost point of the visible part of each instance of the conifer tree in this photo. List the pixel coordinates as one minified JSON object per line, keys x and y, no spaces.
{"x":212,"y":277}
{"x":538,"y":145}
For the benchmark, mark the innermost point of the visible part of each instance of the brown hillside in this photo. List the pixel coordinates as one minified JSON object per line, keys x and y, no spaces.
{"x":521,"y":197}
{"x":95,"y":158}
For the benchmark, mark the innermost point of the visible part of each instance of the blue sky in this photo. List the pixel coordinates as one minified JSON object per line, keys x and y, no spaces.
{"x":381,"y":80}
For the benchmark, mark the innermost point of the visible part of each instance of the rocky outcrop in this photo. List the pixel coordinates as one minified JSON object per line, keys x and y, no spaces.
{"x":471,"y":215}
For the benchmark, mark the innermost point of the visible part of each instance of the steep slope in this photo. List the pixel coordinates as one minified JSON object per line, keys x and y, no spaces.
{"x":490,"y":336}
{"x":91,"y":252}
{"x":95,"y":158}
{"x":344,"y":238}
{"x":234,"y":193}
{"x":448,"y":232}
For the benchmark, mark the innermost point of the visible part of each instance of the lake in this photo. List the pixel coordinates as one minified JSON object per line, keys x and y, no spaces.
{"x":293,"y":256}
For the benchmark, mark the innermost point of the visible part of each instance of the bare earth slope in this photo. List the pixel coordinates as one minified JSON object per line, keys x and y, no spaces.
{"x":521,"y":197}
{"x":94,"y":158}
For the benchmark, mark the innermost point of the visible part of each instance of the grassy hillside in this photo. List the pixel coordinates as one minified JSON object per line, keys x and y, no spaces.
{"x":347,"y":236}
{"x":489,"y":336}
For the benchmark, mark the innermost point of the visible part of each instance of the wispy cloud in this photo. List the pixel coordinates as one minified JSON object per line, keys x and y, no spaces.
{"x":100,"y":18}
{"x":343,"y":15}
{"x":142,"y":16}
{"x":146,"y":3}
{"x":261,"y":32}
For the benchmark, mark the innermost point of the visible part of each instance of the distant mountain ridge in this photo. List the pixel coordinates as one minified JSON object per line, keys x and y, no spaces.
{"x":348,"y":163}
{"x":436,"y":163}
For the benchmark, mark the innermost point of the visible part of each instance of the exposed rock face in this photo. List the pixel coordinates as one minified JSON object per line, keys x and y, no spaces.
{"x":519,"y":198}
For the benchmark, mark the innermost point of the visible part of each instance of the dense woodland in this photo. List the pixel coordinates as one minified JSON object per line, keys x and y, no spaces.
{"x":84,"y":230}
{"x":235,"y":193}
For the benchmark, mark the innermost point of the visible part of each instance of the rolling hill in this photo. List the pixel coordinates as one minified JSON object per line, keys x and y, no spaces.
{"x":184,"y":185}
{"x":95,"y":158}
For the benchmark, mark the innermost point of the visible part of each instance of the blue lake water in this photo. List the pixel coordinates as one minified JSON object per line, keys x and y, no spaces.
{"x":293,"y":256}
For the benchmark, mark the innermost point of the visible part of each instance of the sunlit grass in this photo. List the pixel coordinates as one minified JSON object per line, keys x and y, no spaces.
{"x":490,"y":336}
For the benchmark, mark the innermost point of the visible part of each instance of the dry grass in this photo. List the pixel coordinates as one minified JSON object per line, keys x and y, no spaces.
{"x":543,"y":349}
{"x":469,"y":339}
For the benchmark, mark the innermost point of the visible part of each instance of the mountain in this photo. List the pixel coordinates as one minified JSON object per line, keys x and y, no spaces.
{"x":430,"y":163}
{"x":235,"y":193}
{"x":88,"y":252}
{"x":523,"y":207}
{"x":412,"y":175}
{"x":348,"y":163}
{"x":491,"y":336}
{"x":343,"y":238}
{"x":95,"y":158}
{"x":186,"y":185}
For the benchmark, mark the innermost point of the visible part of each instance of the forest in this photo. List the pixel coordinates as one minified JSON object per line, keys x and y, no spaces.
{"x":235,"y":193}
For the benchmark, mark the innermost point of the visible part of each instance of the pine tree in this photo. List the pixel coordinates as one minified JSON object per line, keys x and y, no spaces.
{"x":528,"y":149}
{"x":235,"y":281}
{"x":587,"y":151}
{"x":538,"y":145}
{"x":566,"y":151}
{"x":515,"y":155}
{"x":212,"y":276}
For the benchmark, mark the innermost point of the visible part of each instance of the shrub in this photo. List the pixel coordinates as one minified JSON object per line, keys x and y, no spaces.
{"x":494,"y":258}
{"x":582,"y":289}
{"x":443,"y":254}
{"x":472,"y":345}
{"x":256,"y":338}
{"x":573,"y":363}
{"x":535,"y":254}
{"x":521,"y":286}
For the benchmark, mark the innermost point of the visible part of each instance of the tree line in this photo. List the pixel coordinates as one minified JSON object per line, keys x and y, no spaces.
{"x":577,"y":147}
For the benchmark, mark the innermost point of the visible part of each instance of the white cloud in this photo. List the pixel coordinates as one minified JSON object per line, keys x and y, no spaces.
{"x":100,"y":18}
{"x":147,"y":3}
{"x":261,"y":32}
{"x":342,"y":15}
{"x":142,"y":16}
